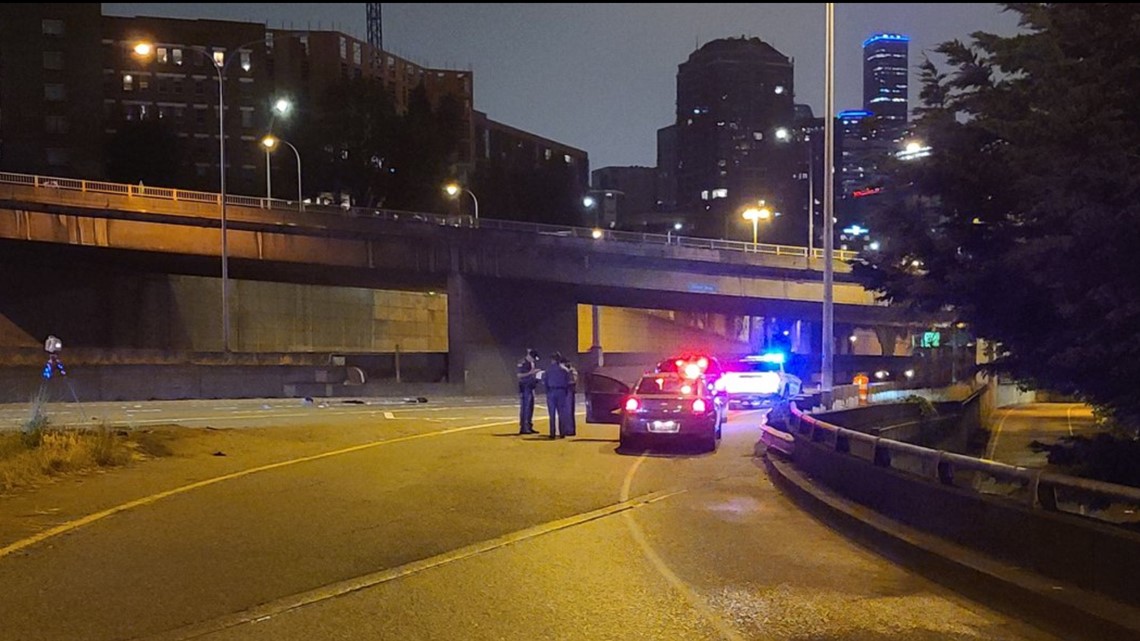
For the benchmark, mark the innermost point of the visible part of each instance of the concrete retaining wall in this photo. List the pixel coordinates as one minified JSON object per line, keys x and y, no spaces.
{"x":1085,"y":553}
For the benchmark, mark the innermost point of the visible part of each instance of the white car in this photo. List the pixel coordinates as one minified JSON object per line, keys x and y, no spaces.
{"x":758,"y":381}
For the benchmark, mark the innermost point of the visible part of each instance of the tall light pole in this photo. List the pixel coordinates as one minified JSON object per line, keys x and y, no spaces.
{"x":826,"y":365}
{"x":220,"y":66}
{"x":271,"y":142}
{"x":454,"y":189}
{"x":756,"y":214}
{"x":281,"y":107}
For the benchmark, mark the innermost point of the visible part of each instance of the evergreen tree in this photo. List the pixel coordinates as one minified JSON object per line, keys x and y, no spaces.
{"x":1024,"y":221}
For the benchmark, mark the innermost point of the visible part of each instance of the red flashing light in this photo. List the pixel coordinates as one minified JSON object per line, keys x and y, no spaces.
{"x":870,"y":191}
{"x":632,"y":404}
{"x":699,"y":406}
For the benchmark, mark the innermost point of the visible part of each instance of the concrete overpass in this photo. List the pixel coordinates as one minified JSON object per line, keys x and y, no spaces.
{"x":509,"y":285}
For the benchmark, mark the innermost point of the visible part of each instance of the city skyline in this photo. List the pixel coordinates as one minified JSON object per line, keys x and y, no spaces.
{"x":603,"y":79}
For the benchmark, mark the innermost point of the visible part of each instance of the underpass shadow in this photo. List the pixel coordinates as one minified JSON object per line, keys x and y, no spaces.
{"x":660,"y":452}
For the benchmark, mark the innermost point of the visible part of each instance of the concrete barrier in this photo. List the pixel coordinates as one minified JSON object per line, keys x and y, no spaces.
{"x":1009,"y":513}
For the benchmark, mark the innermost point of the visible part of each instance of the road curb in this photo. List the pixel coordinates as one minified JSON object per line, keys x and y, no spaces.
{"x":1065,"y":610}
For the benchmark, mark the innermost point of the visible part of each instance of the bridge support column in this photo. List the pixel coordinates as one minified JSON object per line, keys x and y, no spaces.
{"x":491,"y":322}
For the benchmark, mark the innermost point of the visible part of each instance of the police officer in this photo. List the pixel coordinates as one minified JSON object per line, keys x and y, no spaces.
{"x":557,"y":380}
{"x":570,"y":427}
{"x":527,"y":373}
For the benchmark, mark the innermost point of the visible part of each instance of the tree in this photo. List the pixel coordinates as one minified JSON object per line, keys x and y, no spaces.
{"x":1024,"y":222}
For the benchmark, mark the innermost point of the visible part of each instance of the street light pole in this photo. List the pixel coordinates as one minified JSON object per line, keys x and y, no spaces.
{"x":270,"y":142}
{"x":144,"y":49}
{"x":453,"y":189}
{"x":827,"y":365}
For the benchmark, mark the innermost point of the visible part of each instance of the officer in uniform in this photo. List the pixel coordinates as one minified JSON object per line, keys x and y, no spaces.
{"x":527,"y":373}
{"x":570,"y":428}
{"x":557,"y":380}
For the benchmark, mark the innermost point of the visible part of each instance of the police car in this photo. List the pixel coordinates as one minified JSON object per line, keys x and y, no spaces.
{"x":758,"y":381}
{"x":670,"y":407}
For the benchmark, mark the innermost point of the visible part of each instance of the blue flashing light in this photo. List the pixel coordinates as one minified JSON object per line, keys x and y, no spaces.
{"x":768,"y":357}
{"x":888,"y":37}
{"x":854,"y":113}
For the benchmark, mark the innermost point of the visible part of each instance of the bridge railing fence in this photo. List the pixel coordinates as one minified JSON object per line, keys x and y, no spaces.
{"x":1033,"y":488}
{"x":276,"y":204}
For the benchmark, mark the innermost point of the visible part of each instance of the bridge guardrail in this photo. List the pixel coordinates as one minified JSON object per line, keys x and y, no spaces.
{"x":275,"y":204}
{"x":1036,"y":489}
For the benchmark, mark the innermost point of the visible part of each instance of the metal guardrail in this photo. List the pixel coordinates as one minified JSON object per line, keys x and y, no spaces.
{"x":1037,"y":489}
{"x":289,"y":206}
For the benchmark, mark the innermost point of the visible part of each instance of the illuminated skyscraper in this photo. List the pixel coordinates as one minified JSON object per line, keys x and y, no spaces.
{"x":885,"y":82}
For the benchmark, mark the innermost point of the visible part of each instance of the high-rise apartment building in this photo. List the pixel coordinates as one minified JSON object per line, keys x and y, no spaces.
{"x":50,"y":89}
{"x":734,"y":138}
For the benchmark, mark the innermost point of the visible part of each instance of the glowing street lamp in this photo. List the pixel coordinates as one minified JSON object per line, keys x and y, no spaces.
{"x":454,"y":189}
{"x":220,"y":63}
{"x":913,"y":150}
{"x":271,"y":142}
{"x":756,"y":214}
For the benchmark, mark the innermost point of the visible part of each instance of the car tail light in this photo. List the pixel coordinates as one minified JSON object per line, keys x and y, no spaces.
{"x":632,"y":404}
{"x":699,"y":406}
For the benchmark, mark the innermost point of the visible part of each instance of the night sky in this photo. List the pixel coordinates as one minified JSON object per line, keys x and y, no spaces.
{"x":603,"y":77}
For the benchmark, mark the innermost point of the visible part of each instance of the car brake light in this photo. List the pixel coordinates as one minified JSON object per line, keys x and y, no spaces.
{"x":699,"y":406}
{"x":632,"y":404}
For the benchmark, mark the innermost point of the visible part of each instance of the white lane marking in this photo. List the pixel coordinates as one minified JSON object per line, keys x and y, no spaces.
{"x":280,"y":606}
{"x":1069,"y":419}
{"x":219,"y":409}
{"x":142,"y":411}
{"x":997,"y":433}
{"x":690,"y":595}
{"x":389,"y":415}
{"x":147,"y":500}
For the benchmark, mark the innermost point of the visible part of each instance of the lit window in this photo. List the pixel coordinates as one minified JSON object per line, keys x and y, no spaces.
{"x":144,"y":84}
{"x":343,"y":48}
{"x":547,"y":153}
{"x":176,"y":55}
{"x":219,"y":58}
{"x":758,"y":135}
{"x":704,"y":195}
{"x":779,"y":89}
{"x":356,"y":53}
{"x":52,"y":27}
{"x":719,"y":193}
{"x":269,"y":41}
{"x":161,"y":55}
{"x":566,"y":158}
{"x":246,"y":63}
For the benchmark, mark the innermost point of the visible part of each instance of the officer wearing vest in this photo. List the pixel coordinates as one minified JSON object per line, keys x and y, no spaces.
{"x":557,"y":381}
{"x":527,"y":373}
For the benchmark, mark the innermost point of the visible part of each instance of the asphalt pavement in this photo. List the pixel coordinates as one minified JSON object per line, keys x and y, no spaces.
{"x":1014,"y":428}
{"x":437,"y":521}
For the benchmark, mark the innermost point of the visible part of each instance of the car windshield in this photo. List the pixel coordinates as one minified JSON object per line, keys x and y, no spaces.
{"x":667,"y":385}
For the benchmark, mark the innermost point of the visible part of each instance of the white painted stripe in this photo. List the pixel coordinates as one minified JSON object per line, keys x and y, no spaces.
{"x":997,"y":433}
{"x":153,"y":498}
{"x":280,"y":606}
{"x":389,"y":415}
{"x":690,"y":595}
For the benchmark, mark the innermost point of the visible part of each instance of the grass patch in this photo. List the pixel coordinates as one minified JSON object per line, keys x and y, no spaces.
{"x":40,"y":451}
